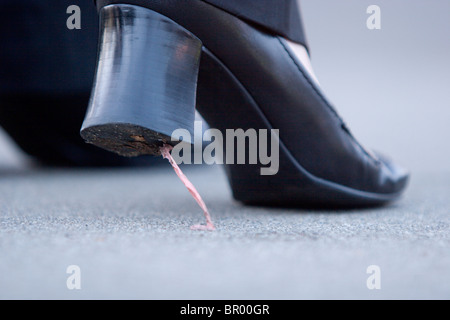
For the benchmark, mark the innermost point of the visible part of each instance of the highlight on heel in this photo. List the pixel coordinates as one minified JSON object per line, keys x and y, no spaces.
{"x":145,"y":83}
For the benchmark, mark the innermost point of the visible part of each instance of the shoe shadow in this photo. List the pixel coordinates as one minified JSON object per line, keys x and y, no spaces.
{"x":323,"y":208}
{"x":6,"y":172}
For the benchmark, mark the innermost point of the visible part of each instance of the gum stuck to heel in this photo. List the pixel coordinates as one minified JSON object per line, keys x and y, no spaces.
{"x":165,"y":152}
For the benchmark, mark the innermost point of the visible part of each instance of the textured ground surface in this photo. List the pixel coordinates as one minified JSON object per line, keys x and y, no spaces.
{"x":128,"y":231}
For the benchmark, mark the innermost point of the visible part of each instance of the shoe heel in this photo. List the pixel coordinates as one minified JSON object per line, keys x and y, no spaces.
{"x":145,"y":83}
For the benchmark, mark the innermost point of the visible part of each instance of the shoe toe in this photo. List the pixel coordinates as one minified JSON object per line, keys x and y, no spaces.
{"x":395,"y":175}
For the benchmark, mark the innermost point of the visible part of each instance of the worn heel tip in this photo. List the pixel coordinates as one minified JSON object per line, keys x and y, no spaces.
{"x":126,"y":139}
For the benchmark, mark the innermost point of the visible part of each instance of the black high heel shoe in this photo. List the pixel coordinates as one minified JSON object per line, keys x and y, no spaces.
{"x":151,"y":58}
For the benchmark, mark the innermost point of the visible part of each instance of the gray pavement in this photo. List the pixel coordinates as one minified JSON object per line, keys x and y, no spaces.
{"x":128,"y":229}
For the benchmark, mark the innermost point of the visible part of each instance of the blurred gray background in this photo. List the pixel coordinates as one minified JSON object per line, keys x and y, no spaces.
{"x":128,"y":229}
{"x":391,"y":85}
